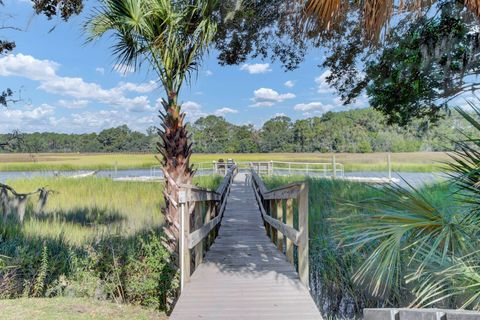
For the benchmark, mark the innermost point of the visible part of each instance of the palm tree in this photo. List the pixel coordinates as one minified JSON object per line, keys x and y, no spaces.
{"x":171,"y":37}
{"x":375,"y":14}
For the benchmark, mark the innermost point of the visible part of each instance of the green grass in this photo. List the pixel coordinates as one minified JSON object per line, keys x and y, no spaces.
{"x":73,"y":309}
{"x":416,"y":161}
{"x":332,"y":266}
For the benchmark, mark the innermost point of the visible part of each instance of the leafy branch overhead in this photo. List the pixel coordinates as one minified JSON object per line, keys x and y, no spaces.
{"x":359,"y":41}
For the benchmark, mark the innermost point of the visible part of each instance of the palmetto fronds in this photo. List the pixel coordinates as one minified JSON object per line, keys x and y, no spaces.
{"x":375,"y":14}
{"x":456,"y":278}
{"x":465,"y":168}
{"x":412,"y":240}
{"x":171,"y":36}
{"x":398,"y":227}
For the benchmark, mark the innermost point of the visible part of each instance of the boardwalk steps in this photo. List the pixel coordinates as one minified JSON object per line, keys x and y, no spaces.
{"x":244,"y":275}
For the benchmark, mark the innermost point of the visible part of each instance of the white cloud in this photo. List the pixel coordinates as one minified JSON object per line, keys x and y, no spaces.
{"x":256,"y":68}
{"x":266,"y":97}
{"x":79,"y":89}
{"x":45,"y":71}
{"x":289,"y":84}
{"x":224,"y":111}
{"x":103,"y":119}
{"x":26,"y":66}
{"x":73,"y":104}
{"x":139,"y":88}
{"x":263,"y":104}
{"x":313,"y":108}
{"x":42,"y":118}
{"x":193,"y":110}
{"x":29,"y":118}
{"x":100,"y":70}
{"x":123,"y":70}
{"x":321,"y":81}
{"x":208,"y":73}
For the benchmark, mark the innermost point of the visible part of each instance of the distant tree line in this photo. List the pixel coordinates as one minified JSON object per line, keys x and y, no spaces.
{"x":119,"y":139}
{"x":363,"y":130}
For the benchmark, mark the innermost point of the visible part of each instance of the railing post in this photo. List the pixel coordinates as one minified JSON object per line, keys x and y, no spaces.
{"x":279,"y":216}
{"x":289,"y":222}
{"x":266,"y":205}
{"x":272,"y":213}
{"x":197,"y":224}
{"x":303,"y":269}
{"x":389,"y":163}
{"x":208,"y":216}
{"x":334,"y":166}
{"x":184,"y":252}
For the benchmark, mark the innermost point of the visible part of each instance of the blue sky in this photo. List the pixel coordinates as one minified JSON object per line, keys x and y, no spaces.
{"x":69,"y":86}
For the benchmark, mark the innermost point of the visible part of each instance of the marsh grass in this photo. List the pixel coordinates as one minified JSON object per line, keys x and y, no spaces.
{"x":96,"y":238}
{"x":332,"y":265}
{"x":84,"y":209}
{"x":413,"y":161}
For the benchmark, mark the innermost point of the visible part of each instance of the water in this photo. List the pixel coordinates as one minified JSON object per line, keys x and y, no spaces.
{"x":14,"y":175}
{"x":413,"y":178}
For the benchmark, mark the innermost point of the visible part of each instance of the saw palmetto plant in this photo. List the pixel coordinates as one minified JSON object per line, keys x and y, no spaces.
{"x":170,"y":37}
{"x":420,"y":250}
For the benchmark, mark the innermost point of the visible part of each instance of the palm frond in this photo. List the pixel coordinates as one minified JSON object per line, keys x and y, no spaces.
{"x":435,"y":240}
{"x":171,"y":36}
{"x":464,"y":168}
{"x":456,"y":278}
{"x":395,"y":228}
{"x":375,"y":14}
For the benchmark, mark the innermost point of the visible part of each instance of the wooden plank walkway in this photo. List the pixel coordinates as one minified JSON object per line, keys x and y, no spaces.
{"x":244,"y":276}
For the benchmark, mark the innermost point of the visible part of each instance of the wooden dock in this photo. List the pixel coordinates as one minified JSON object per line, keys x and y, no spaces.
{"x":244,"y":275}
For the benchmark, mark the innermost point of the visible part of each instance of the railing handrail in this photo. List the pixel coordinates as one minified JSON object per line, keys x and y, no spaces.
{"x":271,"y":167}
{"x":273,"y":219}
{"x":190,"y":199}
{"x":305,"y":163}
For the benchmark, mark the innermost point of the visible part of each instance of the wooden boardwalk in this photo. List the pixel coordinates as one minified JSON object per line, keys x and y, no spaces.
{"x":243,"y":275}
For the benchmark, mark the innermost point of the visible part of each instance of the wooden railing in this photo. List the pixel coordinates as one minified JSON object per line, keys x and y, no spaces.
{"x":277,"y":208}
{"x":201,"y":211}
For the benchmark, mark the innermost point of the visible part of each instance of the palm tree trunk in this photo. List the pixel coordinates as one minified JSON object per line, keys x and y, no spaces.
{"x":176,"y":151}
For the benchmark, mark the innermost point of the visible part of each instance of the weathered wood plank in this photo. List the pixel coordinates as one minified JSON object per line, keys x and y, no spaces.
{"x":279,"y":216}
{"x":288,"y":231}
{"x":289,"y":222}
{"x":303,"y":269}
{"x":197,"y":224}
{"x":198,"y":235}
{"x":185,"y":256}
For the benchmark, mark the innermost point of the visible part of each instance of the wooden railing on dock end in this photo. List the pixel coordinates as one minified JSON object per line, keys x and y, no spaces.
{"x":201,"y":211}
{"x":279,"y":220}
